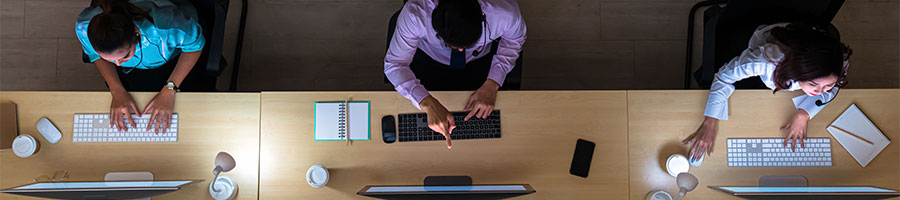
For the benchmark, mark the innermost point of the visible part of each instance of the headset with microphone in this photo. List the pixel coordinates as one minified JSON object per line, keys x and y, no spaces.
{"x":819,"y":102}
{"x":484,"y":30}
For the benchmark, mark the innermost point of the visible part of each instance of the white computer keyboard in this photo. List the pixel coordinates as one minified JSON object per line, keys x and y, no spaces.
{"x":95,"y":128}
{"x":770,"y":152}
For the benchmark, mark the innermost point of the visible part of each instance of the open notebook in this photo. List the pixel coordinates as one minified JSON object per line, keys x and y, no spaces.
{"x":854,"y":121}
{"x":338,"y":120}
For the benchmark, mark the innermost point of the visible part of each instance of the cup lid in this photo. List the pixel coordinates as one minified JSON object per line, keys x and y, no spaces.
{"x":24,"y":145}
{"x":317,"y":176}
{"x":677,"y":164}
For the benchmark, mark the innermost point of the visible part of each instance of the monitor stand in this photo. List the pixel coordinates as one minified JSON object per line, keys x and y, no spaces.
{"x":447,"y":180}
{"x":129,"y":176}
{"x":783,"y":181}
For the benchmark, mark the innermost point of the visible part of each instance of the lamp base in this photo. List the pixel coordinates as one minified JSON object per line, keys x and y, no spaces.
{"x":659,"y":195}
{"x":226,"y":186}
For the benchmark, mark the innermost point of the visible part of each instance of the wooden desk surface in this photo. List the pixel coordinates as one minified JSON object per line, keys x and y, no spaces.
{"x":539,"y":134}
{"x":210,"y":122}
{"x":659,"y":120}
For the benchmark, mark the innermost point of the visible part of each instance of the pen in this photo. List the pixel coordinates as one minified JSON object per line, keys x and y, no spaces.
{"x":851,"y":134}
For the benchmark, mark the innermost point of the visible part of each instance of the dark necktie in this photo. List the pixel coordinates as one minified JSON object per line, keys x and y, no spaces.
{"x":457,"y":59}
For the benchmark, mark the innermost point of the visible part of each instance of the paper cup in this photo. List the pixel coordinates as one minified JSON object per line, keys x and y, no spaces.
{"x":25,"y":145}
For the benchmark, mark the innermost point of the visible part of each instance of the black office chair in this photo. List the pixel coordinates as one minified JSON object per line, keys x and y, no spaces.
{"x":513,"y":78}
{"x":727,"y":30}
{"x":211,"y":16}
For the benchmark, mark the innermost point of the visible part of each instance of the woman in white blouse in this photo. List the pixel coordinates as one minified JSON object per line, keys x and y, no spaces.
{"x":786,"y":57}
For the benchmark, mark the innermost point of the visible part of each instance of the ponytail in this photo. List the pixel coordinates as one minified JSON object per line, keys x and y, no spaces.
{"x":114,"y":28}
{"x":122,"y":7}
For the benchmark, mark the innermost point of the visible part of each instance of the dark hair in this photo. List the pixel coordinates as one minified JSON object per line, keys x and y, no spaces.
{"x":114,"y":28}
{"x":458,"y":22}
{"x":810,"y":52}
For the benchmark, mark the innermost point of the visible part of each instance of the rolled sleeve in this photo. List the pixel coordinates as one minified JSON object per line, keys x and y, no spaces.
{"x":401,"y":51}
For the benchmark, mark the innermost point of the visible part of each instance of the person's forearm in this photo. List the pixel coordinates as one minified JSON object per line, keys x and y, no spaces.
{"x":428,"y":103}
{"x":108,"y":71}
{"x":185,"y":63}
{"x":490,"y":83}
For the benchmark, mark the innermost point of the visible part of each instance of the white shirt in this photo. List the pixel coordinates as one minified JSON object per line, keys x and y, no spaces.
{"x":753,"y":62}
{"x":414,"y":31}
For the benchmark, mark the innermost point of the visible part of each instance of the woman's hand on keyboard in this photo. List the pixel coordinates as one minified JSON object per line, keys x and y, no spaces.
{"x":439,"y":119}
{"x":796,"y":128}
{"x":121,"y":107}
{"x":161,"y":108}
{"x":704,"y":139}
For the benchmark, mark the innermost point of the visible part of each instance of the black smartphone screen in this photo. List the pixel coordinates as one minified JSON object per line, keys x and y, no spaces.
{"x":388,"y":130}
{"x":581,"y":162}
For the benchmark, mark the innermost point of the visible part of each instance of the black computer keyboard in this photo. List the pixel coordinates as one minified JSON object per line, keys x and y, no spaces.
{"x":414,"y":127}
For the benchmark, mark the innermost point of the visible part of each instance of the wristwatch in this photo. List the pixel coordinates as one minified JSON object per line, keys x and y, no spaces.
{"x":171,"y":86}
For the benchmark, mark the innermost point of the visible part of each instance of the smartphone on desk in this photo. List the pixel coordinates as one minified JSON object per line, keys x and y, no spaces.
{"x":388,"y":130}
{"x":581,"y":161}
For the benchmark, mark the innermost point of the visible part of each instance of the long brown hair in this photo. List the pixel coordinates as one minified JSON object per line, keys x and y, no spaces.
{"x":810,"y":52}
{"x":114,"y":28}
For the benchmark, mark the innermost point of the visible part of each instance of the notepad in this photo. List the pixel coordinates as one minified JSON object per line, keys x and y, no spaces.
{"x":854,"y":121}
{"x":335,"y":121}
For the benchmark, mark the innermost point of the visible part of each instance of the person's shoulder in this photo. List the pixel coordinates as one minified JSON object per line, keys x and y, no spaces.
{"x":419,"y":8}
{"x":86,"y":14}
{"x":83,"y":19}
{"x":500,"y":7}
{"x":769,"y":27}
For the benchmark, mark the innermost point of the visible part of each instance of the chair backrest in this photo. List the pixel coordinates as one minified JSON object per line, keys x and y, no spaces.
{"x":734,"y":25}
{"x":211,"y":16}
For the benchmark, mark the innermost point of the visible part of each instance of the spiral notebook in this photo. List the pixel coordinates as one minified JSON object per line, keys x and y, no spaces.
{"x":853,"y":120}
{"x":337,"y":120}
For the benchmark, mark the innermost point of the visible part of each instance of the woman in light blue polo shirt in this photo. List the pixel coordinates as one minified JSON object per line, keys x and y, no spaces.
{"x":141,"y":45}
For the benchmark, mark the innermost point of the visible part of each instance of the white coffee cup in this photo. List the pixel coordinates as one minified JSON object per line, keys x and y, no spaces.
{"x":25,"y":145}
{"x":677,"y":164}
{"x":317,"y":176}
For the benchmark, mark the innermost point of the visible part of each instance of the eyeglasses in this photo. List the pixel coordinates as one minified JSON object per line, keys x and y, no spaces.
{"x":58,"y":176}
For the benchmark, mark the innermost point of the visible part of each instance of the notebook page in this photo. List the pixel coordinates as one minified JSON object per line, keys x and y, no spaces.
{"x":359,"y":121}
{"x":327,"y":121}
{"x":854,"y":121}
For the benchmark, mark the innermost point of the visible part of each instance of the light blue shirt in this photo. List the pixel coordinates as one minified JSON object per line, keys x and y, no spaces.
{"x":174,"y":29}
{"x":757,"y":60}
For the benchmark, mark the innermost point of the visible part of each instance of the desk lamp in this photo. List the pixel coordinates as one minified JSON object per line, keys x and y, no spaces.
{"x":223,"y":187}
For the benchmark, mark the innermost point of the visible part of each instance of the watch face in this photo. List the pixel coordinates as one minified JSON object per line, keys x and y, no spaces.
{"x":170,"y":85}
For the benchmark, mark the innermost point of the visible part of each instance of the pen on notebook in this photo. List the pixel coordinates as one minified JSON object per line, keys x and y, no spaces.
{"x":851,"y":134}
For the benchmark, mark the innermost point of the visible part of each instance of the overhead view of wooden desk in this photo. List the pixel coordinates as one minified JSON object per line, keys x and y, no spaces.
{"x":271,"y":135}
{"x":209,"y":123}
{"x":539,"y":134}
{"x":659,"y":120}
